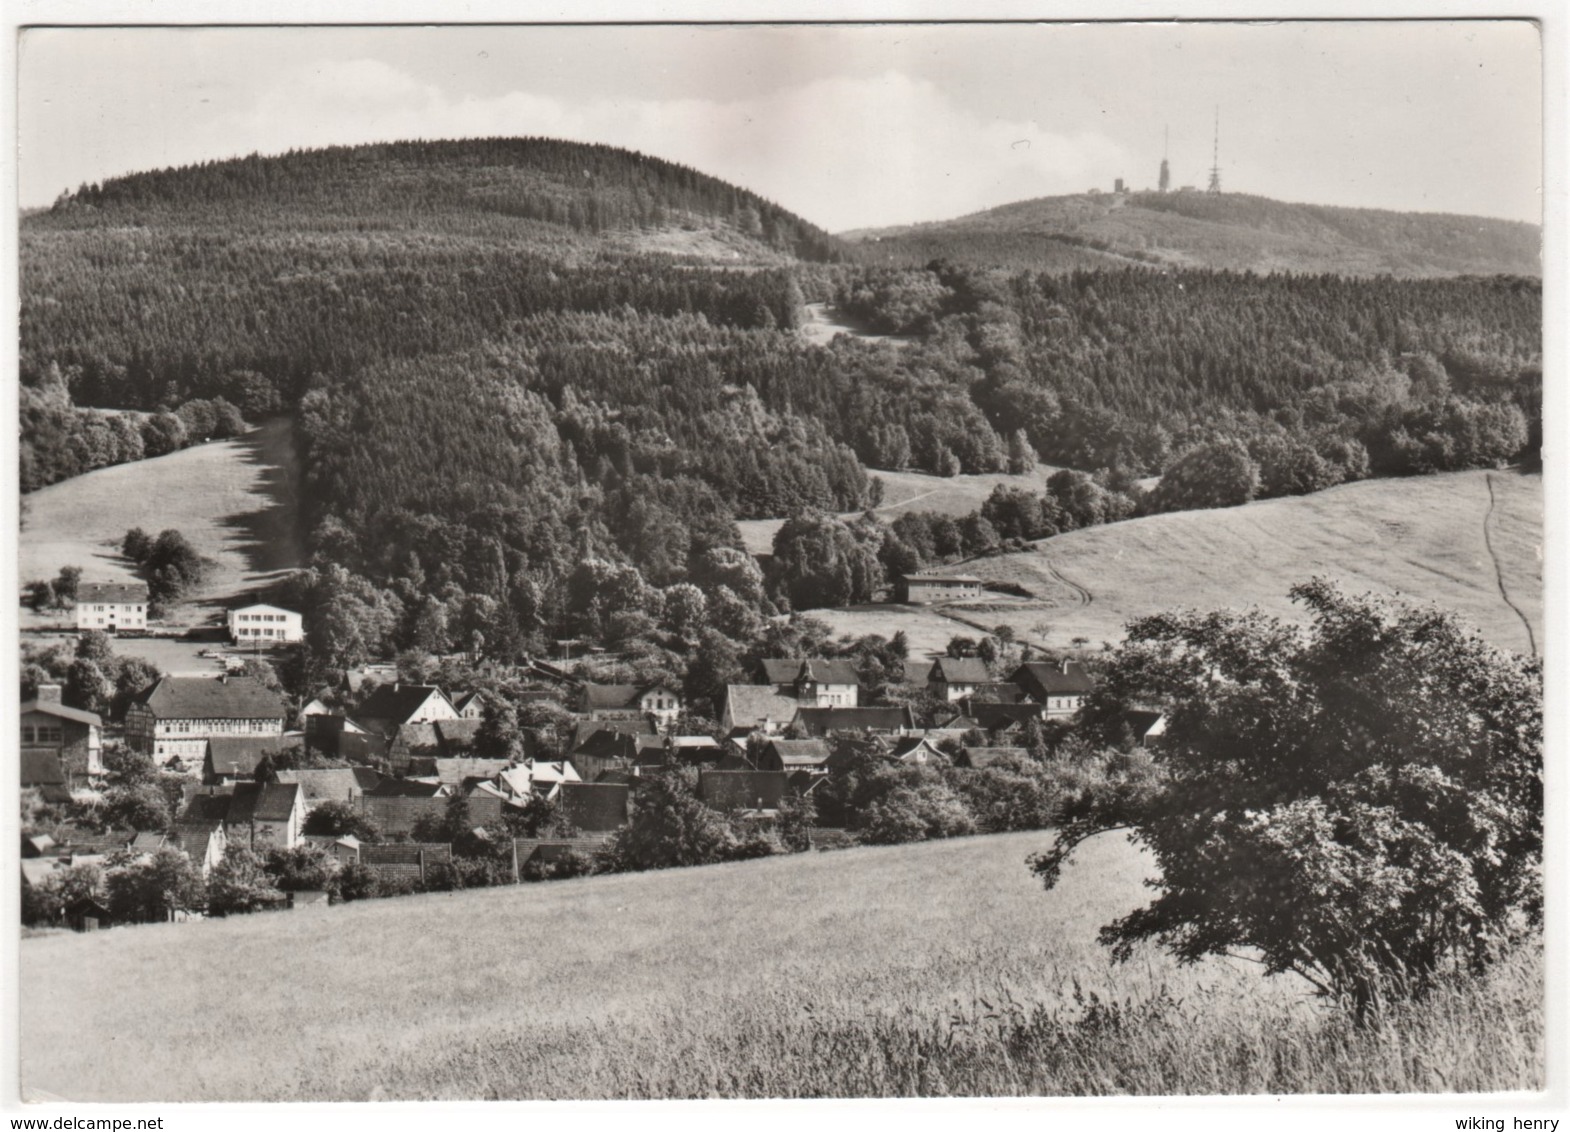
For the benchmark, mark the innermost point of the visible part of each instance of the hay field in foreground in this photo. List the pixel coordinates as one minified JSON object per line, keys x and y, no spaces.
{"x":930,"y":969}
{"x":1467,"y":541}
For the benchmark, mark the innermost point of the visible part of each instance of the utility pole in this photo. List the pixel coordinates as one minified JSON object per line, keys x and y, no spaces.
{"x":1215,"y":157}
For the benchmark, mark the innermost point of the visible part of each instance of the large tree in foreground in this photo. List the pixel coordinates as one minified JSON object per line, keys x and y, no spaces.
{"x":1359,"y":801}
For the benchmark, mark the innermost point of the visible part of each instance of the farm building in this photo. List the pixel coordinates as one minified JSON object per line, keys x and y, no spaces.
{"x":818,"y":722}
{"x":73,"y":737}
{"x":112,"y":607}
{"x":622,"y":701}
{"x":732,"y":790}
{"x":918,"y":589}
{"x":814,"y":683}
{"x":234,"y":758}
{"x":1060,"y":688}
{"x":792,"y":755}
{"x":954,"y":678}
{"x":757,"y":707}
{"x":392,"y":706}
{"x":178,"y":715}
{"x":265,"y":624}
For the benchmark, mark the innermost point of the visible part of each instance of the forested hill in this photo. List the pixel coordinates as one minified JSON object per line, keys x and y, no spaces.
{"x":1233,"y":231}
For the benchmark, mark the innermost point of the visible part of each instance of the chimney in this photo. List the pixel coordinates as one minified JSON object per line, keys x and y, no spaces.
{"x":1064,"y":664}
{"x":48,"y":693}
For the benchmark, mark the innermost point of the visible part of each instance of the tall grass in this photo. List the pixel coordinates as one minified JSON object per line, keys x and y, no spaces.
{"x":918,"y":970}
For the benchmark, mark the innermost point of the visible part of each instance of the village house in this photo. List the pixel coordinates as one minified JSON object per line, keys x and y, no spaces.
{"x":112,"y":607}
{"x":815,"y":723}
{"x":234,"y":758}
{"x":978,"y":757}
{"x":1060,"y":688}
{"x":469,"y":705}
{"x":919,"y":589}
{"x":918,"y":750}
{"x":955,"y":678}
{"x":392,"y":706}
{"x":178,"y":715}
{"x":265,"y":625}
{"x":757,"y":792}
{"x":793,"y":756}
{"x":331,"y":784}
{"x":597,"y":807}
{"x":622,"y":701}
{"x":757,"y":707}
{"x":72,"y":736}
{"x":272,"y":811}
{"x":203,"y":840}
{"x":41,"y":771}
{"x":813,"y":682}
{"x":1145,"y":727}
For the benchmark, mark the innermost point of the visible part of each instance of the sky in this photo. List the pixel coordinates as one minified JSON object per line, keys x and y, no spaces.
{"x":850,"y":126}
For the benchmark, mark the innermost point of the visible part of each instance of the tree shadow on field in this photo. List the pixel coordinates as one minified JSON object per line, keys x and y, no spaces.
{"x":270,"y":538}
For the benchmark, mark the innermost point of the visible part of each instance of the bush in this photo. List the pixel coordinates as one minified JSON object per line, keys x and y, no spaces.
{"x":914,"y":811}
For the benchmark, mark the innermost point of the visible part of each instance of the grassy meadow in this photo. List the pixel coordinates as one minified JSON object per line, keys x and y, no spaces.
{"x":236,"y":500}
{"x":930,"y":969}
{"x":1470,"y":542}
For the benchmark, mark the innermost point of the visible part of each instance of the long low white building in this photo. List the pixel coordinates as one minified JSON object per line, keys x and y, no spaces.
{"x":266,"y":623}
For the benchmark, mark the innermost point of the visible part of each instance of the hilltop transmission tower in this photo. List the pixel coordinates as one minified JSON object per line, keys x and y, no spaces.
{"x":1166,"y":173}
{"x":1215,"y":157}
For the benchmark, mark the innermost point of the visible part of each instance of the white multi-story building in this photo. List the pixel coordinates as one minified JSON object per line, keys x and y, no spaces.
{"x":266,"y":624}
{"x":111,"y":607}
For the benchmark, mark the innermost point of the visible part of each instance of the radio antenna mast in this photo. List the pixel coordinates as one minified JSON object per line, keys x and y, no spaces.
{"x":1215,"y":157}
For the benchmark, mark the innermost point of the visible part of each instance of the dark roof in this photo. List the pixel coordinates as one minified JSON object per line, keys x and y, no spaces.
{"x":960,"y":670}
{"x":48,"y":707}
{"x":608,"y":745}
{"x":741,"y":789}
{"x":203,"y":809}
{"x":112,"y":593}
{"x":42,"y":768}
{"x":202,"y":697}
{"x":987,"y":756}
{"x":326,"y":784}
{"x":942,"y":579}
{"x":396,"y":703}
{"x":238,"y":754}
{"x":413,"y":737}
{"x":1041,"y":677}
{"x":1140,"y":721}
{"x":815,"y":668}
{"x":403,"y":788}
{"x":366,"y":776}
{"x":800,"y":752}
{"x":594,"y":807}
{"x":995,"y":717}
{"x":453,"y":772}
{"x":586,"y":728}
{"x":909,"y":743}
{"x":999,"y":692}
{"x":959,"y":721}
{"x":263,"y":801}
{"x":817,"y":722}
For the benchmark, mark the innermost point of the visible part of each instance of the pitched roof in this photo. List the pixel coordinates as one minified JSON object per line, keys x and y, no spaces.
{"x":204,"y":809}
{"x":741,"y":789}
{"x":60,"y":711}
{"x":112,"y":593}
{"x":817,"y":722}
{"x":617,"y":697}
{"x":999,"y":692}
{"x":452,"y":772}
{"x":404,"y":788}
{"x":800,"y":752}
{"x":815,"y":668}
{"x":396,"y":703}
{"x":262,"y":606}
{"x":586,"y":728}
{"x":327,"y":784}
{"x":1047,"y":678}
{"x":942,"y":579}
{"x":987,"y":756}
{"x":203,"y":697}
{"x":749,"y":706}
{"x":607,"y":745}
{"x":41,"y":768}
{"x":996,"y":717}
{"x":904,"y":748}
{"x":454,"y":733}
{"x":263,"y":801}
{"x":238,"y":754}
{"x":960,"y":670}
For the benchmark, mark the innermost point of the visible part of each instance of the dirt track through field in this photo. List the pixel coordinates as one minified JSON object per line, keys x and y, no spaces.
{"x":1499,"y":572}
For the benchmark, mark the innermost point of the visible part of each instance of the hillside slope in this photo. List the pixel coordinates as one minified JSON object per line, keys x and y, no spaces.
{"x":1232,"y":231}
{"x":587,"y":988}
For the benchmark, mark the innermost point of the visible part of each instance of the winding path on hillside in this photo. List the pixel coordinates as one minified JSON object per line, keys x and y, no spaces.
{"x":1499,"y":570}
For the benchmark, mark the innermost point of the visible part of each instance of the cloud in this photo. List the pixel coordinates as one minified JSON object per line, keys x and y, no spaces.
{"x":844,"y":152}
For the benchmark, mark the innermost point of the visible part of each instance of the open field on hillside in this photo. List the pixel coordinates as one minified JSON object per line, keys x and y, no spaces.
{"x":1468,"y":541}
{"x":925,"y":969}
{"x":913,"y":491}
{"x":236,"y":500}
